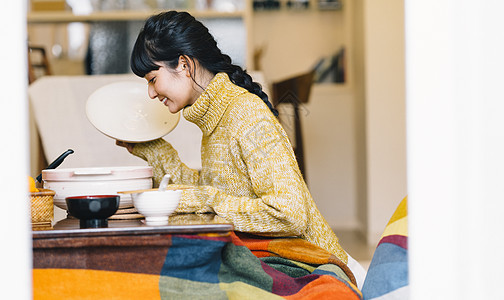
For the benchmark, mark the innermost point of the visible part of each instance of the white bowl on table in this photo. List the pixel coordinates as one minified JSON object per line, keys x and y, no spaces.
{"x":155,"y":205}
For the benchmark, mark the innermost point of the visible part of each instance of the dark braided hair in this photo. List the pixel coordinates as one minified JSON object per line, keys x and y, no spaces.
{"x":168,"y":35}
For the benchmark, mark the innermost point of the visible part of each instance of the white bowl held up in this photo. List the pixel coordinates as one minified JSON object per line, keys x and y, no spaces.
{"x":156,"y":206}
{"x":122,"y":110}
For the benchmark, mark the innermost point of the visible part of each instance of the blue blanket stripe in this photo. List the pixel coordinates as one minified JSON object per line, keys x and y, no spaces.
{"x":388,"y":271}
{"x":194,"y":259}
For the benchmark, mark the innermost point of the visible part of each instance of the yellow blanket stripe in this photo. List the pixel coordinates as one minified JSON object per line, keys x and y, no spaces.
{"x":399,"y":227}
{"x":401,"y":211}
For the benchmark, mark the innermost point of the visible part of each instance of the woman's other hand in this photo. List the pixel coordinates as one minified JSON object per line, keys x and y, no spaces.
{"x":128,"y":146}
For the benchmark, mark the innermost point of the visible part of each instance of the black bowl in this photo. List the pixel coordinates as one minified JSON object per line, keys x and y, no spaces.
{"x":93,"y":211}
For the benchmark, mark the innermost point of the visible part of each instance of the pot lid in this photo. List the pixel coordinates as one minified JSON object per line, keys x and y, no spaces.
{"x":97,"y":173}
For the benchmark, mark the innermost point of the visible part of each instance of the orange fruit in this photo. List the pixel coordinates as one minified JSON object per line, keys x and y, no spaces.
{"x":31,"y":185}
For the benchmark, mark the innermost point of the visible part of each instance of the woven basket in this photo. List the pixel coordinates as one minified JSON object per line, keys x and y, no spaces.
{"x":42,"y":209}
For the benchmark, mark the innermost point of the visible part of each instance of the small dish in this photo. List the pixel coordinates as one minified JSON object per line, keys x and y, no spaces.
{"x":93,"y":211}
{"x":122,"y":110}
{"x":156,"y":206}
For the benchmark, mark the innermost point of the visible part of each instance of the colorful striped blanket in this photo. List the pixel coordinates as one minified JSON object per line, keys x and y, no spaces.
{"x":387,"y":276}
{"x":206,"y":266}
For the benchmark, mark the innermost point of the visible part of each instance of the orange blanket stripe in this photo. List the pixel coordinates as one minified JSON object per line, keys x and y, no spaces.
{"x":324,"y":288}
{"x":93,"y":284}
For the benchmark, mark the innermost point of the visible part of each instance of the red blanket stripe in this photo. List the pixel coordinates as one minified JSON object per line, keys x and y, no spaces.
{"x":399,"y":240}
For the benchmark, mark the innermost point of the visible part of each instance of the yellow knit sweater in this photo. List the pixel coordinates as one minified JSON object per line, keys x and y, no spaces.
{"x":249,"y":173}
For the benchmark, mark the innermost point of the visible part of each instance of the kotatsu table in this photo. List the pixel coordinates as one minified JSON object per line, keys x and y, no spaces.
{"x":193,"y":257}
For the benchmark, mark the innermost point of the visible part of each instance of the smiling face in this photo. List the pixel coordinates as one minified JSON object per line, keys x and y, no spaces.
{"x":173,"y":87}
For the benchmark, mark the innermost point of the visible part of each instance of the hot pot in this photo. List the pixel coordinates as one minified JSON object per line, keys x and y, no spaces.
{"x":95,"y":181}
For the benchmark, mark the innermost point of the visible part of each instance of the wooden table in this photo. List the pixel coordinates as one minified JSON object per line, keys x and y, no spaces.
{"x":125,"y":246}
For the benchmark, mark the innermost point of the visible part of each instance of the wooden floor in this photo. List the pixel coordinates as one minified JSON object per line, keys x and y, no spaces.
{"x":355,"y":244}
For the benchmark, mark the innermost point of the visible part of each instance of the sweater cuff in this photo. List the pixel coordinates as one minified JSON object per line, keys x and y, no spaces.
{"x":149,"y":149}
{"x":194,"y":200}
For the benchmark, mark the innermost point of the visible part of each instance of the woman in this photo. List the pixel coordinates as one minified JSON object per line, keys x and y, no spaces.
{"x":249,"y":173}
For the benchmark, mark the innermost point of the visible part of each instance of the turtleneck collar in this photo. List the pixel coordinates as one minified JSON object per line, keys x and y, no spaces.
{"x":208,"y":109}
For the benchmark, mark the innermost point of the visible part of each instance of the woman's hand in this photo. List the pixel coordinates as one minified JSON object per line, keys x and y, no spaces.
{"x":128,"y":146}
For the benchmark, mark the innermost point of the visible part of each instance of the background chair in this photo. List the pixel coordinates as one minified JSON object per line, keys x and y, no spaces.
{"x":293,"y":92}
{"x":38,"y":63}
{"x":38,"y":66}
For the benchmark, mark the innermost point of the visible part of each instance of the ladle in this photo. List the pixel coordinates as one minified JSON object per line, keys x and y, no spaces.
{"x":56,"y":162}
{"x":164,"y":182}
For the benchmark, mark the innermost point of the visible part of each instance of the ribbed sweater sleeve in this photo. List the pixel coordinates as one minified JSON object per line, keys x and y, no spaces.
{"x":264,"y":215}
{"x":164,"y":159}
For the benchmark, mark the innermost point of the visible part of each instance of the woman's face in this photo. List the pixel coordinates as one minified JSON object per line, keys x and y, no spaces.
{"x":173,"y":87}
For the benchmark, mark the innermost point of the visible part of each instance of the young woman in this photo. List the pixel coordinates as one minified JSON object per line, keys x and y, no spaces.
{"x":249,"y":173}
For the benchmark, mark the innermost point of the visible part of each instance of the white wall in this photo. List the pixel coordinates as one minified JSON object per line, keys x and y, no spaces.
{"x":330,"y":153}
{"x":358,"y":80}
{"x":385,"y":111}
{"x":455,"y":148}
{"x":16,"y":256}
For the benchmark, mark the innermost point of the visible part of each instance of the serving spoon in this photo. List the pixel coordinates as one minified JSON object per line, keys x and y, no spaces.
{"x":56,"y":162}
{"x":164,"y":182}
